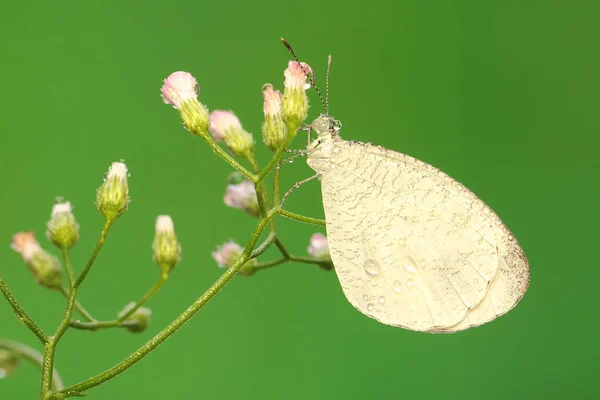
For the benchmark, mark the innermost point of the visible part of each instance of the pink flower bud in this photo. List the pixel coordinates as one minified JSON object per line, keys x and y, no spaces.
{"x":295,"y":76}
{"x":223,"y":122}
{"x":243,"y":196}
{"x":227,"y":254}
{"x":178,"y":88}
{"x":273,"y":101}
{"x":25,"y":244}
{"x":43,"y":265}
{"x":225,"y":126}
{"x":319,"y":247}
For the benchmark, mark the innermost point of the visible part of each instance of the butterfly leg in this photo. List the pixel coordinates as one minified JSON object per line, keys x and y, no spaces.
{"x":296,"y":186}
{"x":298,"y":153}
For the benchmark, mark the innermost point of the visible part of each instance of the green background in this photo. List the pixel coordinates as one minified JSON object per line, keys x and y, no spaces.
{"x":502,"y":95}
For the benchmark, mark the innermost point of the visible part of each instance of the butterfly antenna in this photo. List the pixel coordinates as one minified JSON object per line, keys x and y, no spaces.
{"x":327,"y":85}
{"x":310,"y":77}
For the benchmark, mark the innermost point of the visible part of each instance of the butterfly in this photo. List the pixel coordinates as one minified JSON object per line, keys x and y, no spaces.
{"x":411,"y":246}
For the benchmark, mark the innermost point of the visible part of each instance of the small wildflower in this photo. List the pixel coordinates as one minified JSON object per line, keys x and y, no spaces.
{"x":226,"y":127}
{"x":140,"y":318}
{"x":241,"y":194}
{"x":166,"y":247}
{"x":228,"y":253}
{"x":181,"y":90}
{"x":112,"y":197}
{"x":9,"y":361}
{"x":295,"y":100}
{"x":273,"y":128}
{"x":44,"y":267}
{"x":63,"y":230}
{"x":319,"y":247}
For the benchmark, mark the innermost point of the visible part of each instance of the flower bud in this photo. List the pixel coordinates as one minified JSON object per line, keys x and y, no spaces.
{"x":273,"y":128}
{"x":181,"y":90}
{"x":112,"y":197}
{"x":241,"y":194}
{"x":63,"y":230}
{"x":319,"y":247}
{"x":9,"y":361}
{"x":140,"y":319}
{"x":166,"y":248}
{"x":226,"y":127}
{"x":228,"y":253}
{"x":295,"y":100}
{"x":44,"y":267}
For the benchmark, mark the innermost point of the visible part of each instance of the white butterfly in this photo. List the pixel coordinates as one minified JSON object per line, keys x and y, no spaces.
{"x":411,"y":246}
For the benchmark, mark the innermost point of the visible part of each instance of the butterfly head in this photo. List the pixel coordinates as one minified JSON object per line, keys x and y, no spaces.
{"x":325,"y":125}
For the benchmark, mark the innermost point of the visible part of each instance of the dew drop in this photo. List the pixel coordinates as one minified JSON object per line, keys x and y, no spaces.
{"x":397,"y":286}
{"x":371,"y":267}
{"x":422,"y":263}
{"x":402,"y":242}
{"x":365,"y":297}
{"x":410,"y":268}
{"x":410,"y":281}
{"x":381,"y":299}
{"x":373,"y":249}
{"x":370,"y":307}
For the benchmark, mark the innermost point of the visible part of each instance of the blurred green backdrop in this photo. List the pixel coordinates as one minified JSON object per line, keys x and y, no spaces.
{"x":502,"y":95}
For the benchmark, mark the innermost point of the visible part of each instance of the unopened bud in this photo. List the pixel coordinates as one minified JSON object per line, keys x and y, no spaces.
{"x":228,"y":253}
{"x":112,"y":197}
{"x":226,"y":127}
{"x":9,"y":361}
{"x":63,"y":230}
{"x":166,"y":247}
{"x":319,"y":247}
{"x":273,"y":128}
{"x":44,"y":267}
{"x":139,"y":320}
{"x":181,"y":90}
{"x":241,"y":194}
{"x":295,"y":100}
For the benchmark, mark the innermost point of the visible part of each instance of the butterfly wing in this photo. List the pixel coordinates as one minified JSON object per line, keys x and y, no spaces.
{"x":412,"y":247}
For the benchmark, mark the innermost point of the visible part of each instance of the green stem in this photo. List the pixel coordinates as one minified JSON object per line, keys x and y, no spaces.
{"x":68,"y":266}
{"x":230,"y":160}
{"x":153,"y":290}
{"x":105,"y":229}
{"x":95,"y":325}
{"x":264,"y":245}
{"x":52,"y":342}
{"x":175,"y":325}
{"x":121,"y":321}
{"x":50,"y":347}
{"x":302,"y":218}
{"x":278,"y":154}
{"x":32,"y":355}
{"x":21,"y":314}
{"x":84,"y":313}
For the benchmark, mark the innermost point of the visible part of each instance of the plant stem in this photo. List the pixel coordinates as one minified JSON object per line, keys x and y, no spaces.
{"x":230,"y":160}
{"x":302,"y":218}
{"x":52,"y":342}
{"x":68,"y":266}
{"x":121,"y":321}
{"x":155,"y":288}
{"x":278,"y":154}
{"x":84,"y":313}
{"x":264,"y":245}
{"x":175,"y":325}
{"x":32,"y":355}
{"x":105,"y":229}
{"x":95,"y":325}
{"x":21,"y":314}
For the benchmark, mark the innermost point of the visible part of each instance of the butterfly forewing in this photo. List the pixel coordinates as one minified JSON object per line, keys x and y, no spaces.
{"x":411,"y":246}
